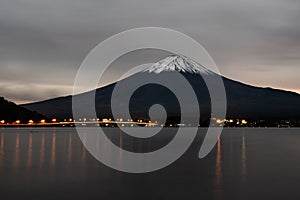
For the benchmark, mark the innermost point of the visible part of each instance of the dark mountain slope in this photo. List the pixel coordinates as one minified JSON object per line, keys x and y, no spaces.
{"x":11,"y":112}
{"x":243,"y":101}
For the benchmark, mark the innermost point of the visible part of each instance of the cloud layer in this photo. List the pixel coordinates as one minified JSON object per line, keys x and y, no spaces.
{"x":44,"y":42}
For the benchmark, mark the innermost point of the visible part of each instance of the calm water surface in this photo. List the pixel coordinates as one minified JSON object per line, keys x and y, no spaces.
{"x":51,"y":163}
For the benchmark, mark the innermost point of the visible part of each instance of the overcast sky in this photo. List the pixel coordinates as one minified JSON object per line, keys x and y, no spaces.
{"x":43,"y":42}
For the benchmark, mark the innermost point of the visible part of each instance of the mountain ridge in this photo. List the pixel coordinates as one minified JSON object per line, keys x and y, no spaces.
{"x":243,"y":100}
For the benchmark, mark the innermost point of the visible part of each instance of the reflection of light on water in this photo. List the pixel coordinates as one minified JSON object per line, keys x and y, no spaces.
{"x":17,"y":150}
{"x":83,"y":156}
{"x":97,"y":145}
{"x":121,"y":149}
{"x":109,"y":146}
{"x":2,"y":149}
{"x":83,"y":150}
{"x":42,"y":151}
{"x":244,"y":163}
{"x":70,"y":149}
{"x":219,"y":164}
{"x":29,"y":153}
{"x":218,"y":188}
{"x":53,"y":155}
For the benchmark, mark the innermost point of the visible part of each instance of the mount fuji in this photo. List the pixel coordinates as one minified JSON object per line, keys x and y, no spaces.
{"x":243,"y":101}
{"x":178,"y":63}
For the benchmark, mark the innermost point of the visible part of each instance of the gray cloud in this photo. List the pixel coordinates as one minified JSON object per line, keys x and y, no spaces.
{"x":42,"y":43}
{"x":23,"y":93}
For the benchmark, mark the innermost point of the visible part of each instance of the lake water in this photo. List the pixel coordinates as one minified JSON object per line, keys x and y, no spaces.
{"x":249,"y":163}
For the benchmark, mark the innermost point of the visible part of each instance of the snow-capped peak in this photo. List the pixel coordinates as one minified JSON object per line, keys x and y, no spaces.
{"x":178,"y":63}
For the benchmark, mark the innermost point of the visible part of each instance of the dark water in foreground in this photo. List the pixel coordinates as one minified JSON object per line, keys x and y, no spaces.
{"x":248,"y":163}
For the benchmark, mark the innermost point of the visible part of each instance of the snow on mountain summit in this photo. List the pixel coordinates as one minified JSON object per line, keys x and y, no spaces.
{"x":178,"y":63}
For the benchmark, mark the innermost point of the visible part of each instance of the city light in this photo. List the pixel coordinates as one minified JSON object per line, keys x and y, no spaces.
{"x":219,"y":121}
{"x":109,"y":122}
